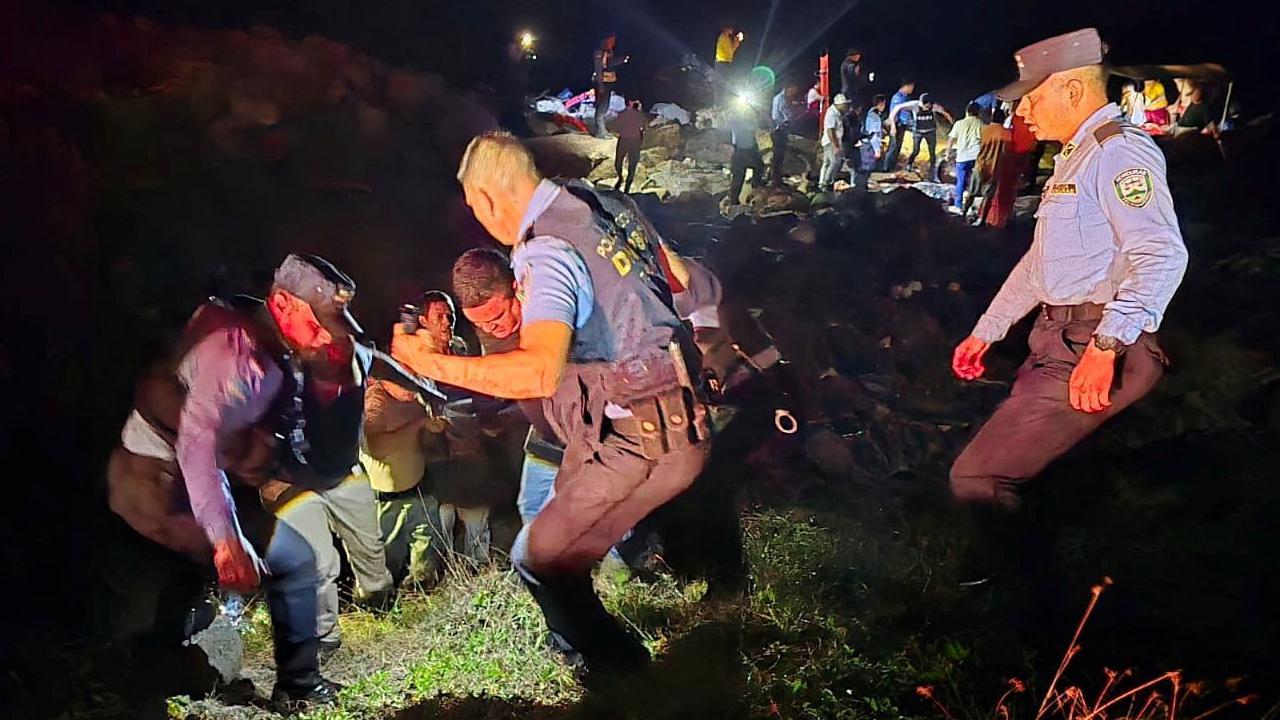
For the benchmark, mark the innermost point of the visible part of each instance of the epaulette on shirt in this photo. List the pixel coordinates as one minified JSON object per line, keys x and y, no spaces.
{"x":1107,"y":131}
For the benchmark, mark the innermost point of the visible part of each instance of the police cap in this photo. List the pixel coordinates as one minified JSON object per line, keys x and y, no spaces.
{"x":320,"y":284}
{"x":1057,"y":54}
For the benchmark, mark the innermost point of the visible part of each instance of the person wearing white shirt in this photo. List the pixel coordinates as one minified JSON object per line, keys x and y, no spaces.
{"x":832,"y":136}
{"x":966,"y":142}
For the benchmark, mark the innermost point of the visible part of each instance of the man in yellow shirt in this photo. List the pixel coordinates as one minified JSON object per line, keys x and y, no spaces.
{"x":726,"y":49}
{"x":727,"y":46}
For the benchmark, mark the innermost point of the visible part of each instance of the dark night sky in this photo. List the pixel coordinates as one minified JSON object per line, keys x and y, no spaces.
{"x":955,"y":49}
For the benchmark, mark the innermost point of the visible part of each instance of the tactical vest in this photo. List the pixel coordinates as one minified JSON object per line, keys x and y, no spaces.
{"x":926,"y":122}
{"x":623,"y":354}
{"x":316,"y":445}
{"x":634,"y":315}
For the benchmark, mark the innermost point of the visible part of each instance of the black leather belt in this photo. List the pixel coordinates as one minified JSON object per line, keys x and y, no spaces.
{"x":1073,"y":313}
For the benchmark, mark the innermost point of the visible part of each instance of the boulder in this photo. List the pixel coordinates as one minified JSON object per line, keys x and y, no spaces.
{"x":222,"y":645}
{"x":680,"y":178}
{"x":798,"y":162}
{"x":665,"y":135}
{"x":771,"y":200}
{"x":654,"y":155}
{"x":709,"y":146}
{"x":572,"y":154}
{"x":801,"y":145}
{"x":671,"y":111}
{"x":708,"y":117}
{"x":603,"y":172}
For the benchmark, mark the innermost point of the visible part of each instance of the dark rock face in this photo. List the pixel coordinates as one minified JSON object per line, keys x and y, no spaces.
{"x":145,"y":167}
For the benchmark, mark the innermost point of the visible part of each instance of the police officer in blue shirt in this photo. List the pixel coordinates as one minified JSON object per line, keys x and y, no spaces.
{"x":602,"y":344}
{"x":1105,"y":261}
{"x":900,"y":124}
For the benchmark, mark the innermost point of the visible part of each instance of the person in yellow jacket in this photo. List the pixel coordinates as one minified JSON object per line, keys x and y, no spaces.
{"x":727,"y":46}
{"x":726,"y":49}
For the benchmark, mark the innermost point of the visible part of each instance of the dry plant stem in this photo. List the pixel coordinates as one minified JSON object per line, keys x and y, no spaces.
{"x":1173,"y":698}
{"x":1000,"y":703}
{"x":1135,"y":691}
{"x":1146,"y":706}
{"x":1072,"y":648}
{"x":1111,"y":680}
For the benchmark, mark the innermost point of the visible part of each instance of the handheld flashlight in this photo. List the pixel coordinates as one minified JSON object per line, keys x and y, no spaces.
{"x":741,"y":37}
{"x":526,"y":40}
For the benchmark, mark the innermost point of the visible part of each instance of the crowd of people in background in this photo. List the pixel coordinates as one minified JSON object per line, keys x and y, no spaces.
{"x":989,"y":150}
{"x":1146,"y":104}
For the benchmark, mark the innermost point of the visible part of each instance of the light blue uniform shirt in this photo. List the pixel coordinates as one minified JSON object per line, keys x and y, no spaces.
{"x":873,"y":128}
{"x":1106,"y":233}
{"x":783,"y":110}
{"x":551,"y":277}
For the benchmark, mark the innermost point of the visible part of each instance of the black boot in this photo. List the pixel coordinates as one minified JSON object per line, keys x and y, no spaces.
{"x":580,"y":625}
{"x":287,"y":699}
{"x":298,"y":679}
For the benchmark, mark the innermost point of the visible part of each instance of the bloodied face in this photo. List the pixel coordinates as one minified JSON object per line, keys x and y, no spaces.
{"x":499,"y":316}
{"x":316,"y":337}
{"x":437,"y":321}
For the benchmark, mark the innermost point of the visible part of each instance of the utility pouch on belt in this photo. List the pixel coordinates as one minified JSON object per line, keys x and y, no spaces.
{"x":674,"y":418}
{"x":670,"y":421}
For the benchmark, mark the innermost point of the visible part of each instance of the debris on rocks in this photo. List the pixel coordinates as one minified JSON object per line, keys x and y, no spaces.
{"x":938,"y":191}
{"x":671,"y":111}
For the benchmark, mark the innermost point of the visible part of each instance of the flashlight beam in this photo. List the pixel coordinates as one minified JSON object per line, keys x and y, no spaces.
{"x":789,"y":55}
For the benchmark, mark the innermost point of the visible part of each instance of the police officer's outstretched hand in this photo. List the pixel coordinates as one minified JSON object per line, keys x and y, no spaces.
{"x":239,"y":567}
{"x":1090,"y":387}
{"x":966,"y":361}
{"x":410,"y":348}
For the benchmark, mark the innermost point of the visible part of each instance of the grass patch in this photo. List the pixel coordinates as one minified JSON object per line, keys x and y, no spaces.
{"x":829,"y":629}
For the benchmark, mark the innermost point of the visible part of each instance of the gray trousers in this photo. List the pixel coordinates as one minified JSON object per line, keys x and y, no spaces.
{"x":350,"y":511}
{"x":831,"y":164}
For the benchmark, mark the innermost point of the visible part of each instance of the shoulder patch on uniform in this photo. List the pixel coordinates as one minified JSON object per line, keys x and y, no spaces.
{"x":1108,"y":130}
{"x":1134,"y":187}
